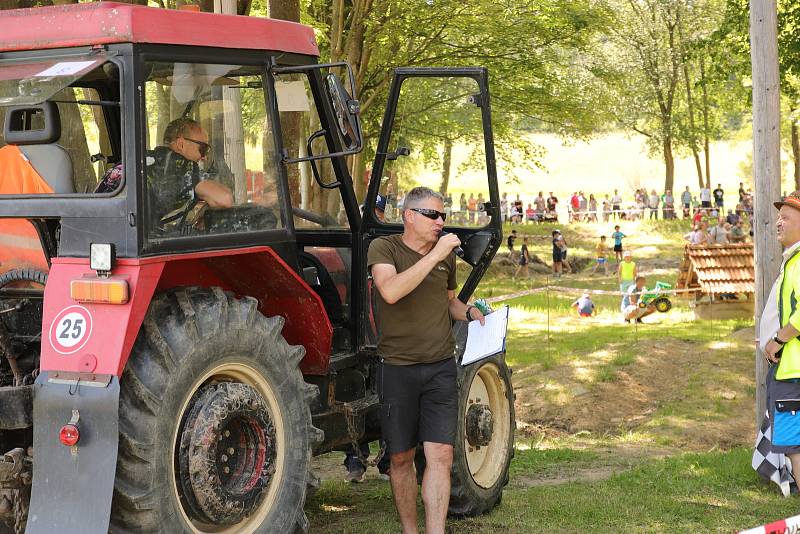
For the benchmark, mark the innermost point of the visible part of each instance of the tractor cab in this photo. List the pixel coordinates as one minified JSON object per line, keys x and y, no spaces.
{"x":185,"y":308}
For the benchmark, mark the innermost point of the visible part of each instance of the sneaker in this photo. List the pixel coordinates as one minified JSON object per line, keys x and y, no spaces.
{"x":639,"y":321}
{"x":355,"y":475}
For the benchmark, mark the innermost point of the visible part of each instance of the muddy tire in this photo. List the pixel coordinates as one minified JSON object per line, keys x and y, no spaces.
{"x":484,"y":437}
{"x":215,"y":427}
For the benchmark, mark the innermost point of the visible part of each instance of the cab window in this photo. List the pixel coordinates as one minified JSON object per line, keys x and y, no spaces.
{"x":210,"y":162}
{"x":63,"y":117}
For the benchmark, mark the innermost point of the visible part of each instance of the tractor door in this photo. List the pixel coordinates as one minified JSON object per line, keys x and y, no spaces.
{"x":437,"y":133}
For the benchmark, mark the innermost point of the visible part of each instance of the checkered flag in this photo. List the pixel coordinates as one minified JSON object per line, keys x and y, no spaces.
{"x":773,"y":466}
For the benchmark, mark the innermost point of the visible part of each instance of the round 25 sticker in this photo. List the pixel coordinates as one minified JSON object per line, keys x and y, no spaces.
{"x":71,"y":329}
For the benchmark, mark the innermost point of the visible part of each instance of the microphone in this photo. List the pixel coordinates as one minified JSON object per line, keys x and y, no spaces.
{"x":458,"y":250}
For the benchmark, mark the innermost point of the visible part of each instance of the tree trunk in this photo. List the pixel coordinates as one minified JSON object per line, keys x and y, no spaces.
{"x":669,"y":163}
{"x":447,"y":158}
{"x":706,"y":143}
{"x":692,"y":129}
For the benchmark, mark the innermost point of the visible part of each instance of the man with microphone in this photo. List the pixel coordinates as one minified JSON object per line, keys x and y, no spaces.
{"x":415,"y":274}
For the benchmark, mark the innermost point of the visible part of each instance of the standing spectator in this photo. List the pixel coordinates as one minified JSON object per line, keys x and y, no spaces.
{"x":539,"y":203}
{"x":472,"y":208}
{"x":719,"y":197}
{"x":462,"y":203}
{"x":562,"y":243}
{"x":705,"y":198}
{"x":616,"y":203}
{"x":778,"y":335}
{"x":668,"y":204}
{"x":557,"y":254}
{"x":742,"y":192}
{"x":642,"y":201}
{"x":584,"y":305}
{"x":626,"y":271}
{"x":686,"y":201}
{"x":718,"y":234}
{"x":653,"y":204}
{"x":510,"y":244}
{"x":583,"y":207}
{"x":552,"y":202}
{"x":524,"y":260}
{"x":601,"y":250}
{"x":606,"y":208}
{"x":504,"y":207}
{"x":737,"y":234}
{"x":592,"y":215}
{"x":574,"y":206}
{"x":617,"y":237}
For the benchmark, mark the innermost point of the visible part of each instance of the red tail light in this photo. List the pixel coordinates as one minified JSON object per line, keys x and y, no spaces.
{"x":69,"y":435}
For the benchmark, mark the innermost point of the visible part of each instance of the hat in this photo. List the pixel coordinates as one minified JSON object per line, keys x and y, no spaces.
{"x":793,"y":200}
{"x":627,"y":253}
{"x":380,"y":203}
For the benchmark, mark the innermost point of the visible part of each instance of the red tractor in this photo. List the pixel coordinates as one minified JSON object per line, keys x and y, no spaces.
{"x":170,"y":360}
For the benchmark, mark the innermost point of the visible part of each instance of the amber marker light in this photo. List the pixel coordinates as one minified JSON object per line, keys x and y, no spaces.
{"x":97,"y":290}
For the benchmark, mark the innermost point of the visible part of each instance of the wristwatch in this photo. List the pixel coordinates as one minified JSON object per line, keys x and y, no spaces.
{"x":469,"y":317}
{"x":778,"y":341}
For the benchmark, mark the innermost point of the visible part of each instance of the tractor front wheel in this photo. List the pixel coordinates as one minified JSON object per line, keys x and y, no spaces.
{"x":484,"y":437}
{"x":215,"y":427}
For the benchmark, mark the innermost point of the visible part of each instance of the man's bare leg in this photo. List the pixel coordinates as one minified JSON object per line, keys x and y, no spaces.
{"x":404,"y":489}
{"x":436,"y":485}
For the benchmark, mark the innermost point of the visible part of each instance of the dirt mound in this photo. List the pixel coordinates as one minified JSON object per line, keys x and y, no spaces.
{"x":558,"y":402}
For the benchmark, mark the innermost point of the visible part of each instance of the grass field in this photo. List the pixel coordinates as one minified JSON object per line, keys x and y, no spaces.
{"x":638,"y":428}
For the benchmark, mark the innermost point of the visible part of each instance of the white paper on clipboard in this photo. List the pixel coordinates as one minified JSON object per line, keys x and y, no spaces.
{"x":486,"y":340}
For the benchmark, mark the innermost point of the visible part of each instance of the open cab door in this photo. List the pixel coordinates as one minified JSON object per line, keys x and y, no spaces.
{"x":437,"y":132}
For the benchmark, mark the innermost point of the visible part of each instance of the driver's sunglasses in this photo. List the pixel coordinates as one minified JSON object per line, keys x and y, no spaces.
{"x":202,"y":147}
{"x":429,"y":213}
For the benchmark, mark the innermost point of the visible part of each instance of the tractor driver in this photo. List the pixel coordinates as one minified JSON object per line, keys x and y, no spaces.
{"x":174,"y":177}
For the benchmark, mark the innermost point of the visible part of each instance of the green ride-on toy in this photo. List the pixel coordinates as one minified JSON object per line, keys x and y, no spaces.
{"x":656,"y":297}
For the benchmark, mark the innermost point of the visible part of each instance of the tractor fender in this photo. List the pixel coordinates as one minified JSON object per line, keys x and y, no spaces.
{"x":111,"y":329}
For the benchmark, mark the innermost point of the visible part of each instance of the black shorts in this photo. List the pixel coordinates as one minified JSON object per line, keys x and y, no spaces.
{"x":617,"y":248}
{"x":778,"y":390}
{"x":705,"y":204}
{"x":557,"y":257}
{"x":418,"y":403}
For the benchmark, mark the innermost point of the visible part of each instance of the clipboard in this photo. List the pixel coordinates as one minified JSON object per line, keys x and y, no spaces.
{"x":487,"y":340}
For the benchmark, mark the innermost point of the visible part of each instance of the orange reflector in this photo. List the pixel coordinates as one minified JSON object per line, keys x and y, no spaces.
{"x":99,"y":290}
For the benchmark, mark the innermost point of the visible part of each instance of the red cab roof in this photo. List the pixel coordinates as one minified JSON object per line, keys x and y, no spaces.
{"x":109,"y":22}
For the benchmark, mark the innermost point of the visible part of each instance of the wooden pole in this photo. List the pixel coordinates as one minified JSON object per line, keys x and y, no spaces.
{"x":766,"y":164}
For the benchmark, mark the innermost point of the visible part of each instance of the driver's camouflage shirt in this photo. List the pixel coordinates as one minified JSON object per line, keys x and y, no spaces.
{"x":171,"y":180}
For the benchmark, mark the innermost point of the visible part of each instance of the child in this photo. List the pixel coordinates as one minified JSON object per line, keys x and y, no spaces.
{"x":617,"y":237}
{"x":524,"y":259}
{"x":601,"y":249}
{"x":584,"y":305}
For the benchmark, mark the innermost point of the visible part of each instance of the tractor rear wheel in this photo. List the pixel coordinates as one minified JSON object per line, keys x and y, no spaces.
{"x":663,"y":304}
{"x":484,"y":438}
{"x":215,"y":426}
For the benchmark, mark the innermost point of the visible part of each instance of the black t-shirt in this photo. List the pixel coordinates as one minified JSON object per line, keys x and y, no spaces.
{"x":718,"y":194}
{"x":556,"y":247}
{"x":523,"y":254}
{"x":551,"y":203}
{"x":171,"y":179}
{"x":510,"y":241}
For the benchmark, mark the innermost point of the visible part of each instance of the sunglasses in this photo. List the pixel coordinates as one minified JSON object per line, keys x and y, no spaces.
{"x":430,"y":214}
{"x":202,"y":147}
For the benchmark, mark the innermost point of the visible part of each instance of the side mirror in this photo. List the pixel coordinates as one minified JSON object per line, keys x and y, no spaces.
{"x":401,"y":151}
{"x":347,"y":111}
